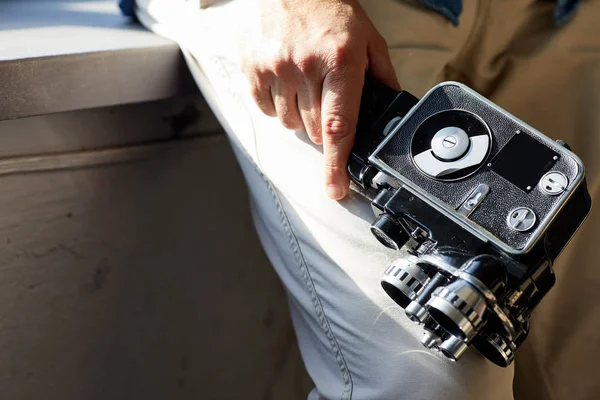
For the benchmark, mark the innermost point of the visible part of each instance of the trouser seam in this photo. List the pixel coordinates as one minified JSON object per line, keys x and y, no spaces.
{"x":310,"y":286}
{"x":303,"y":266}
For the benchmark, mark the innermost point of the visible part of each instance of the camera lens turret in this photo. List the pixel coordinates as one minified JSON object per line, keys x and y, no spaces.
{"x":404,"y":280}
{"x":460,"y":306}
{"x":495,"y":348}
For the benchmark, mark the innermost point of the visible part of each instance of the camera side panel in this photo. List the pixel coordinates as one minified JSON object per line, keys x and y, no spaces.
{"x":529,"y":176}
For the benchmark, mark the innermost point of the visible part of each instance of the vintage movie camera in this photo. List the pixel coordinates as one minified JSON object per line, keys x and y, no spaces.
{"x":481,"y":205}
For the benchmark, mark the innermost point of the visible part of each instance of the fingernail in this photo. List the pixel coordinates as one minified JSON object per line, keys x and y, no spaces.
{"x":335,"y":192}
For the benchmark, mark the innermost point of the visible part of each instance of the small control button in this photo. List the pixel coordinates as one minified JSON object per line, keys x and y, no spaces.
{"x":450,"y":143}
{"x":554,"y":183}
{"x":521,"y":219}
{"x":474,"y":200}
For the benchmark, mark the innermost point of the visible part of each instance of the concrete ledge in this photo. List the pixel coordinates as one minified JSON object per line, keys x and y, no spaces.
{"x":61,"y":55}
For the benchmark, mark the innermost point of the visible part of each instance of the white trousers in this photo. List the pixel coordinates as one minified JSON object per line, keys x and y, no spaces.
{"x":355,"y":341}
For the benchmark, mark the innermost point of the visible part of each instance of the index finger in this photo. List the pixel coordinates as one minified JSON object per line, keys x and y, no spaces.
{"x":342,"y":91}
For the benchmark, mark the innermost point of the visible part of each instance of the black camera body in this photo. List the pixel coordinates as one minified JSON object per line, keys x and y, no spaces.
{"x":482,"y":204}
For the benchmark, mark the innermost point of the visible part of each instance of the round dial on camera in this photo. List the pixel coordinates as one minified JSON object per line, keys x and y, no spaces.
{"x":451,"y":145}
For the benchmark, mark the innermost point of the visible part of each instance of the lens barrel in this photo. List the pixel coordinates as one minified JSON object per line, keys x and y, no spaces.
{"x":452,"y":305}
{"x":495,"y":348}
{"x":458,"y":308}
{"x":453,"y":347}
{"x":404,"y":280}
{"x":389,"y":232}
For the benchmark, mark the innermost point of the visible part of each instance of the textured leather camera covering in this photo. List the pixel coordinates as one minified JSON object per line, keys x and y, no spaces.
{"x":504,"y":197}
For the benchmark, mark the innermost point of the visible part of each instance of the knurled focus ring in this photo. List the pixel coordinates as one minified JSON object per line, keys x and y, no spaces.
{"x":408,"y":276}
{"x":507,"y":350}
{"x":460,"y":304}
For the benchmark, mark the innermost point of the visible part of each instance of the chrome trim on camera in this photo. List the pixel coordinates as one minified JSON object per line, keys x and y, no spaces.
{"x":525,"y":219}
{"x":478,"y":285}
{"x":474,"y":199}
{"x":436,"y":262}
{"x":509,"y":327}
{"x":492,"y":303}
{"x":467,"y":224}
{"x":453,"y":348}
{"x":505,"y":349}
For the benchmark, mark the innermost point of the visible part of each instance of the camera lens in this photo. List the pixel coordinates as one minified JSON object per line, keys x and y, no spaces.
{"x":453,"y":347}
{"x":389,"y":232}
{"x":458,"y":308}
{"x":430,"y":339}
{"x":403,"y":281}
{"x":495,"y":348}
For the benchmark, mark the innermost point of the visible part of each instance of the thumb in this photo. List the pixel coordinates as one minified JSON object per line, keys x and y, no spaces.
{"x":342,"y":90}
{"x":380,"y":65}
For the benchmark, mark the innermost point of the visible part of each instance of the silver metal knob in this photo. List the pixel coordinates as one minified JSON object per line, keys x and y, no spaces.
{"x":554,"y":183}
{"x":450,"y":143}
{"x":521,"y":219}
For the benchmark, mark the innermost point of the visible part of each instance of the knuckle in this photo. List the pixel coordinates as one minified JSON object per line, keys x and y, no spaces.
{"x":308,"y":64}
{"x":336,"y":128}
{"x":289,"y":122}
{"x":261,"y":74}
{"x":267,"y":109}
{"x":281,"y":66}
{"x":260,"y":97}
{"x":251,"y":69}
{"x":258,"y":78}
{"x":340,"y":54}
{"x":333,"y":164}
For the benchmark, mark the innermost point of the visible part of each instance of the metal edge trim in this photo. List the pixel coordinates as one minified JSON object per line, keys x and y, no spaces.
{"x":487,"y":155}
{"x":453,"y":214}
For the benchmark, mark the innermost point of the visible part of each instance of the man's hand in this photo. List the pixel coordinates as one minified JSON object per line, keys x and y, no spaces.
{"x":308,"y":69}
